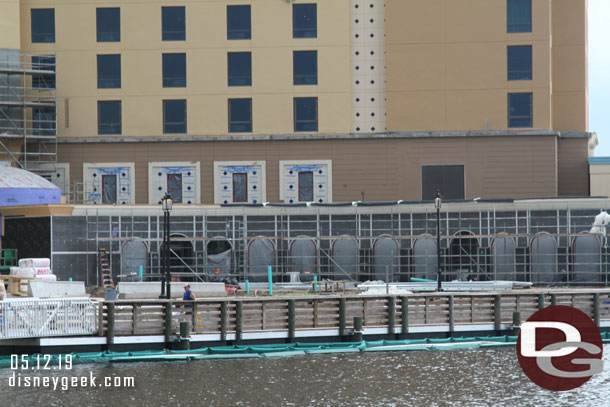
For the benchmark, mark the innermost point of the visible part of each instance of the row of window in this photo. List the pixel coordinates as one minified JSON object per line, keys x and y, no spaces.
{"x":239,"y":112}
{"x":173,"y":23}
{"x":519,"y":60}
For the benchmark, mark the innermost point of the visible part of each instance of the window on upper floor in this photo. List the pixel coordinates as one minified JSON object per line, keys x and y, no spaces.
{"x":446,"y":179}
{"x":109,"y":71}
{"x":238,"y":23}
{"x":109,"y":117}
{"x":43,"y":24}
{"x":44,"y":121}
{"x":174,"y":116}
{"x":108,"y":24}
{"x":519,"y":16}
{"x":520,"y":110}
{"x":43,"y":80}
{"x":519,"y":58}
{"x":109,"y":188}
{"x":304,"y":21}
{"x":173,"y":24}
{"x":174,"y":186}
{"x":306,"y":186}
{"x":305,"y":114}
{"x":174,"y":70}
{"x":239,"y":68}
{"x":240,"y":187}
{"x":240,"y":115}
{"x":305,"y":67}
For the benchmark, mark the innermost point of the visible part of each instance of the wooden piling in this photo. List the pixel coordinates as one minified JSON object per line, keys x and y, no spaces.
{"x":223,"y":321}
{"x":596,"y":309}
{"x":497,"y":312}
{"x":540,"y":301}
{"x":391,"y":314}
{"x":553,"y":299}
{"x":404,"y":301}
{"x":358,"y":329}
{"x":291,"y":319}
{"x":238,"y":320}
{"x":342,"y":311}
{"x":110,"y":327}
{"x":185,"y":340}
{"x":451,"y":316}
{"x":516,"y":323}
{"x":168,"y":321}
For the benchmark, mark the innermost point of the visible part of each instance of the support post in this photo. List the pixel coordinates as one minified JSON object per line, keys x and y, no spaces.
{"x":168,"y":321}
{"x":451,"y":316}
{"x":405,"y":315}
{"x":247,"y":287}
{"x":497,"y":312}
{"x":185,"y":339}
{"x":596,"y":308}
{"x":291,"y":319}
{"x":270,"y":278}
{"x":342,"y":309}
{"x":110,"y":327}
{"x":358,"y":329}
{"x":516,"y":323}
{"x":238,"y":320}
{"x":223,"y":321}
{"x":540,"y":301}
{"x":391,"y":315}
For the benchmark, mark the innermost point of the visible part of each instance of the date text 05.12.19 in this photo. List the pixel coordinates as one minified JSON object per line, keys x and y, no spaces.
{"x":41,"y":362}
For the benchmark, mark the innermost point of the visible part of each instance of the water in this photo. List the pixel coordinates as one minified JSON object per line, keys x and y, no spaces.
{"x":490,"y":377}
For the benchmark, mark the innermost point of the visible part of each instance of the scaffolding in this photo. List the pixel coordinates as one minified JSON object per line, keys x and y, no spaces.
{"x":28,"y":111}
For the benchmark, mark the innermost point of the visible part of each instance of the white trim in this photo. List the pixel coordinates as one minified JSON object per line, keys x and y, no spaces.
{"x":152,"y":192}
{"x":263,"y":178}
{"x":51,"y":168}
{"x":123,"y":340}
{"x":96,"y":340}
{"x":329,"y":174}
{"x":132,"y":171}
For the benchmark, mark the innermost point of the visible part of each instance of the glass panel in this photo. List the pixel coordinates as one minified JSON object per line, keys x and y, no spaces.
{"x":109,"y":117}
{"x":240,"y":115}
{"x":173,"y":22}
{"x":43,"y":25}
{"x":520,"y":110}
{"x":519,"y":16}
{"x":174,"y":187}
{"x":44,"y":121}
{"x":108,"y":24}
{"x":238,"y":23}
{"x":306,"y":114}
{"x":46,"y":63}
{"x":306,"y":186}
{"x":447,"y":179}
{"x":305,"y":67}
{"x":304,"y":21}
{"x":174,"y":116}
{"x":109,"y":71}
{"x":240,"y":187}
{"x":519,"y":59}
{"x":174,"y":70}
{"x":109,"y":195}
{"x":240,"y":68}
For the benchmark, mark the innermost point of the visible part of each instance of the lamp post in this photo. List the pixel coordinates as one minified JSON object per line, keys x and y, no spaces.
{"x":166,"y":205}
{"x":437,"y":204}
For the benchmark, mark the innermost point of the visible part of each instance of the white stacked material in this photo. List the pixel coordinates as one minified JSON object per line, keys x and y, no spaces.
{"x":46,"y":277}
{"x":23,"y":272}
{"x":42,"y":270}
{"x":42,"y":262}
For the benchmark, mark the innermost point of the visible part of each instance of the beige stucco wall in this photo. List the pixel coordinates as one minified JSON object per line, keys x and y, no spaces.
{"x":206,"y":46}
{"x":599,"y":176}
{"x":9,"y":25}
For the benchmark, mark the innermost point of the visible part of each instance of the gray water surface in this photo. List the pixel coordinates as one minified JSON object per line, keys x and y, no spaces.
{"x":489,"y":377}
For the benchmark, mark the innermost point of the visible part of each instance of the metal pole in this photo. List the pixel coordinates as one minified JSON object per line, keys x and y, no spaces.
{"x":438,"y":248}
{"x":163,"y":260}
{"x":168,"y":279}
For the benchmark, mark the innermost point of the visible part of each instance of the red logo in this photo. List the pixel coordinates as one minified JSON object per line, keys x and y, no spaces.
{"x":560,"y":348}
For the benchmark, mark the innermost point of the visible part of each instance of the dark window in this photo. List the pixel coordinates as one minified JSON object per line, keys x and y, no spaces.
{"x":174,"y":187}
{"x":240,"y":68}
{"x":109,"y":71}
{"x":44,"y":121}
{"x":43,"y":25}
{"x":43,"y":80}
{"x":306,"y":186}
{"x":304,"y":21}
{"x":305,"y":114}
{"x":238,"y":23}
{"x":108,"y":24}
{"x":174,"y":116}
{"x":240,"y":187}
{"x":109,"y":117}
{"x":305,"y":67}
{"x":172,"y":21}
{"x":519,"y":16}
{"x":519,"y":59}
{"x":240,"y":115}
{"x":520,"y":110}
{"x":446,"y":179}
{"x":109,"y":189}
{"x":174,"y":70}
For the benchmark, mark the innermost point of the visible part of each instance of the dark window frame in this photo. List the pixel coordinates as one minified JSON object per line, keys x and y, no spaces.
{"x":234,"y":30}
{"x":299,"y":17}
{"x":516,"y":121}
{"x":37,"y":16}
{"x":167,"y":125}
{"x":43,"y":62}
{"x":515,"y":58}
{"x":232,"y":122}
{"x":104,"y":17}
{"x":300,"y":75}
{"x":175,"y":33}
{"x":106,"y":127}
{"x":234,"y":64}
{"x":307,"y":187}
{"x":106,"y":62}
{"x":245,"y":174}
{"x":446,"y":178}
{"x":516,"y":24}
{"x":300,"y":125}
{"x":170,"y":59}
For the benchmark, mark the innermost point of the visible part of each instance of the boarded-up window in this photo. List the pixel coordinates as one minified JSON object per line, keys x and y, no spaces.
{"x":240,"y":187}
{"x":448,"y":179}
{"x":109,"y":195}
{"x":174,"y":187}
{"x":306,"y":186}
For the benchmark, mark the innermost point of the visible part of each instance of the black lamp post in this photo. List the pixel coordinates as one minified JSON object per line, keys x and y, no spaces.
{"x":438,"y":201}
{"x":166,"y":205}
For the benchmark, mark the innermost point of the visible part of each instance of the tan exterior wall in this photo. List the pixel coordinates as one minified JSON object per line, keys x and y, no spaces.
{"x":599,"y":176}
{"x":495,"y":167}
{"x":573,"y":167}
{"x":206,"y":47}
{"x":9,"y":25}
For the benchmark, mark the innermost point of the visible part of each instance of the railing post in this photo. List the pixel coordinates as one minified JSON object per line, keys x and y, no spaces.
{"x":168,"y":321}
{"x":342,"y":311}
{"x":110,"y":328}
{"x":497,"y":312}
{"x":391,"y":314}
{"x":223,"y":321}
{"x":451,"y":316}
{"x":596,"y":309}
{"x":540,"y":301}
{"x":404,"y":301}
{"x":238,"y":320}
{"x":291,"y":319}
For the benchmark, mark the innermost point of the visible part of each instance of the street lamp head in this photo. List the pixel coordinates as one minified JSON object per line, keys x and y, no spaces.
{"x":438,"y":201}
{"x":167,"y":202}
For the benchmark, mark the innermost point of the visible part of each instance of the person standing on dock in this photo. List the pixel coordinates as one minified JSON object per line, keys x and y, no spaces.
{"x":188,"y":296}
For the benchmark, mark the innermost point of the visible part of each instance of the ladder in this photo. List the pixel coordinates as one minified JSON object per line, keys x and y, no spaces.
{"x":104,"y":267}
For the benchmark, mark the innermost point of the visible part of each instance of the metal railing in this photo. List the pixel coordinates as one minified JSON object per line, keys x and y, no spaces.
{"x":33,"y":318}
